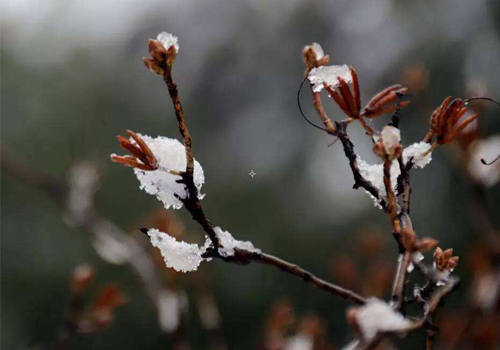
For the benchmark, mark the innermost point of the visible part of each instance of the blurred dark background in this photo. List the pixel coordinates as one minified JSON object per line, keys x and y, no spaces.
{"x":73,"y":78}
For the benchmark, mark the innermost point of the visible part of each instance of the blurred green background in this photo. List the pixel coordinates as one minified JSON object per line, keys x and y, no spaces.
{"x":73,"y":78}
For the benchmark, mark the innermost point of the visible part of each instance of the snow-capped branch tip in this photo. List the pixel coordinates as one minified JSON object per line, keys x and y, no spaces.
{"x":141,"y":156}
{"x":389,"y":145}
{"x":314,"y":56}
{"x":186,"y":257}
{"x":163,"y":51}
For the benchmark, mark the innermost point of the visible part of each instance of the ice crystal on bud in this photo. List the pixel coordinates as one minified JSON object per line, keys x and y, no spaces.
{"x":171,"y":155}
{"x":390,"y":137}
{"x":181,"y":256}
{"x":229,"y":244}
{"x":328,"y":75}
{"x":168,"y":40}
{"x":376,"y":316}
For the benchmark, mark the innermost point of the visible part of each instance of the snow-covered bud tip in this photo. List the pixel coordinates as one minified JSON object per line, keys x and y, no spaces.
{"x":141,"y":155}
{"x":168,"y":41}
{"x":82,"y":277}
{"x":389,"y":145}
{"x":163,"y":50}
{"x":314,"y":56}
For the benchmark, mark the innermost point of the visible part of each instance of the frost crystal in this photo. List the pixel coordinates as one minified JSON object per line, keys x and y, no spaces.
{"x":168,"y":40}
{"x":328,"y":75}
{"x":181,"y":256}
{"x":171,"y":155}
{"x":488,"y":149}
{"x":377,"y":316}
{"x":228,"y":243}
{"x":375,"y":172}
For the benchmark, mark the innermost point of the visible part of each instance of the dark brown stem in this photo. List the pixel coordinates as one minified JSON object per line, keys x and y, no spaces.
{"x":245,"y":257}
{"x":359,"y":180}
{"x":192,"y":202}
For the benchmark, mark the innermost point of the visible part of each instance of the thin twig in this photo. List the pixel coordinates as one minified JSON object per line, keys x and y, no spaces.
{"x":193,"y":205}
{"x":359,"y":180}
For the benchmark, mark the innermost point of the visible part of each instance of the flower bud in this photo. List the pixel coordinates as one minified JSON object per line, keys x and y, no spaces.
{"x":157,"y":50}
{"x":153,"y":66}
{"x":313,"y":56}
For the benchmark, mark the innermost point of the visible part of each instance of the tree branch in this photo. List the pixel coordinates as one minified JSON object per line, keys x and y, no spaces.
{"x":193,"y":205}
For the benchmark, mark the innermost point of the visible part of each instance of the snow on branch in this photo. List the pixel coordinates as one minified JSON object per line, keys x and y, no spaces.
{"x":377,"y":317}
{"x":186,"y":257}
{"x":374,"y":173}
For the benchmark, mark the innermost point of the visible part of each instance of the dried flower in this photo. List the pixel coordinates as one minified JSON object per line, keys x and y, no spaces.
{"x":445,"y":121}
{"x":444,"y":260}
{"x":385,"y":102}
{"x":141,"y":158}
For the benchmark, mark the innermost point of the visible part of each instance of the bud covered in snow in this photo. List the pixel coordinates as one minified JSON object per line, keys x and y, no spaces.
{"x":389,"y":146}
{"x":314,"y":56}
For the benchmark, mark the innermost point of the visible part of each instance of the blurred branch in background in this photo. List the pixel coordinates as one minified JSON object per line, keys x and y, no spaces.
{"x":74,"y":198}
{"x":82,"y":319}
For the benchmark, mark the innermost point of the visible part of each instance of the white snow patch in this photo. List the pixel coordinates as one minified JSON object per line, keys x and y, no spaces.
{"x":171,"y":155}
{"x":377,"y":316}
{"x":229,"y":244}
{"x":329,"y":75}
{"x":168,"y":40}
{"x":375,"y":172}
{"x":181,"y":256}
{"x":416,"y":151}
